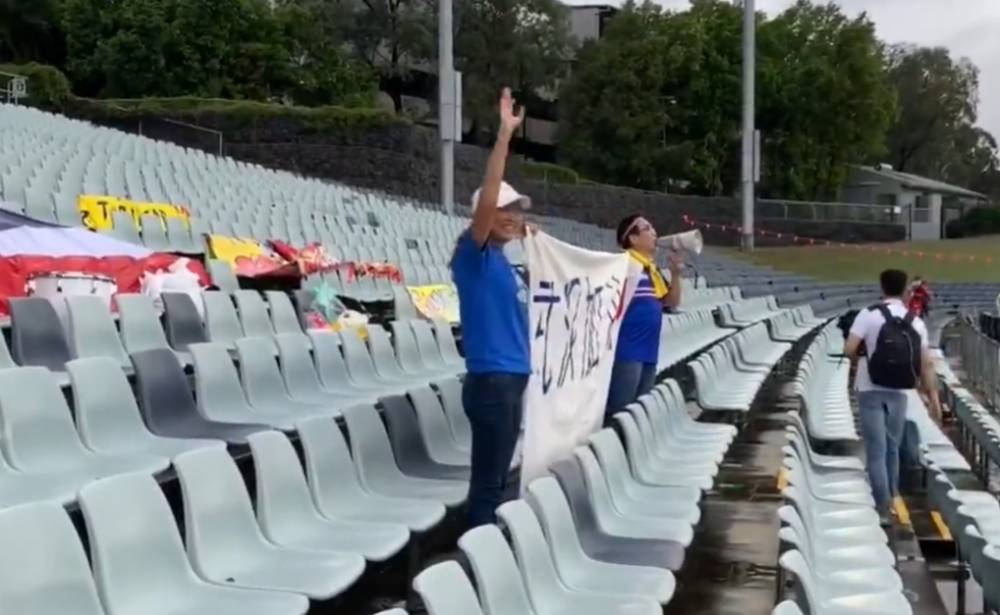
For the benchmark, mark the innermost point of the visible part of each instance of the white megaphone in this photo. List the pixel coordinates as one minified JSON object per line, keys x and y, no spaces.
{"x":690,"y":241}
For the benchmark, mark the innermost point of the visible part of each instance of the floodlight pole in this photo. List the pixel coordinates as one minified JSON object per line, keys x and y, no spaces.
{"x":446,"y":104}
{"x":749,"y":129}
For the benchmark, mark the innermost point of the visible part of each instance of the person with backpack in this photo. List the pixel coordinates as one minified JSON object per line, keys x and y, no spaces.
{"x":889,"y":343}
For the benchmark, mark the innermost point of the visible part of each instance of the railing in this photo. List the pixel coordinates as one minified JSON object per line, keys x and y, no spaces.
{"x":980,"y":357}
{"x":827,"y":212}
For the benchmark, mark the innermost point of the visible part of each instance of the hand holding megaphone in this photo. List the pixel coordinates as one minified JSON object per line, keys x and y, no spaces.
{"x":691,"y":241}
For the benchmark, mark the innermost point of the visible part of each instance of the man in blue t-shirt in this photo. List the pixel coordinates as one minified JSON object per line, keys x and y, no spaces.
{"x":634,"y":371}
{"x":494,"y":326}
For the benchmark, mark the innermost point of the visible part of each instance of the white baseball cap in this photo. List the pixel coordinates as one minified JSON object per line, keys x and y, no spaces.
{"x":508,"y":197}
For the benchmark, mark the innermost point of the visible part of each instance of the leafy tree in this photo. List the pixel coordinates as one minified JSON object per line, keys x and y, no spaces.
{"x":28,"y":31}
{"x":824,"y":99}
{"x":938,"y":98}
{"x":394,"y":37}
{"x":521,"y":43}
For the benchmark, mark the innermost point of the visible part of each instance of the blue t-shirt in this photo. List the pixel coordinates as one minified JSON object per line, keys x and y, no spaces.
{"x":494,"y":321}
{"x":639,"y":335}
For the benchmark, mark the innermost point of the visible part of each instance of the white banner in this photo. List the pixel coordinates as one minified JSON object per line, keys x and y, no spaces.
{"x":576,"y":303}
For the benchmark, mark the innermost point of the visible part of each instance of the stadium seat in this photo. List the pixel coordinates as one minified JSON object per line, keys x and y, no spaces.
{"x":430,"y":352}
{"x":338,"y":492}
{"x":597,"y":543}
{"x":222,"y":325}
{"x":445,"y":590}
{"x":361,"y":368}
{"x":386,"y":363}
{"x":565,"y":563}
{"x":154,"y":235}
{"x":450,"y":390}
{"x":446,"y":343}
{"x":222,"y":276}
{"x":226,"y":545}
{"x":180,"y":238}
{"x":332,"y":368}
{"x":409,"y":446}
{"x":93,"y":331}
{"x":45,"y":569}
{"x":284,"y":318}
{"x":140,"y":564}
{"x":183,"y":324}
{"x":140,"y":326}
{"x":265,"y":386}
{"x":433,"y":422}
{"x":404,"y":310}
{"x":377,"y":469}
{"x":408,"y":354}
{"x":168,"y":408}
{"x":253,"y":314}
{"x":37,"y":335}
{"x":107,"y":416}
{"x":288,"y":517}
{"x":301,"y":379}
{"x":650,"y":470}
{"x":39,"y":435}
{"x":502,"y":586}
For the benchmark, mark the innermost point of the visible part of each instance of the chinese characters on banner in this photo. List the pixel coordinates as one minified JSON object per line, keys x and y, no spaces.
{"x":576,"y":303}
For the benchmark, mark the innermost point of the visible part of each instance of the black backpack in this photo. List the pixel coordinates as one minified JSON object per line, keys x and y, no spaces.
{"x":895,"y":364}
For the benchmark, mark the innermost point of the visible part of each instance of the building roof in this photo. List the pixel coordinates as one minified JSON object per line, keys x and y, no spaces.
{"x":916,"y":182}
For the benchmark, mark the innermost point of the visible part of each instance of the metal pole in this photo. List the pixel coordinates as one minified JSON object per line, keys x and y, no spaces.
{"x":749,"y":68}
{"x":446,"y":105}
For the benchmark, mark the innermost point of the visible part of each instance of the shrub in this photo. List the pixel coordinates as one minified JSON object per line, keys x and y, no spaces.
{"x":549,"y":172}
{"x":976,"y":222}
{"x":48,"y":87}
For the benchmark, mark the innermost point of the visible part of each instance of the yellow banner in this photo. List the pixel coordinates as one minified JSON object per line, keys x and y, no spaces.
{"x":230,"y":249}
{"x":436,"y":301}
{"x":96,"y":212}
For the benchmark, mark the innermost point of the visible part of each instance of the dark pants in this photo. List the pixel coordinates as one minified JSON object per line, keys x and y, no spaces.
{"x":494,"y":404}
{"x":630,"y":380}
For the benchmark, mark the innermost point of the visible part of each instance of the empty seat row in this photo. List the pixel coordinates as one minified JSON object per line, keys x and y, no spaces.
{"x":685,"y":334}
{"x":604,"y":533}
{"x":729,"y":375}
{"x":834,"y":550}
{"x":822,"y":385}
{"x":748,"y":311}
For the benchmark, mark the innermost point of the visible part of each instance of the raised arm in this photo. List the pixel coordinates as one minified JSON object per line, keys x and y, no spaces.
{"x":482,"y":219}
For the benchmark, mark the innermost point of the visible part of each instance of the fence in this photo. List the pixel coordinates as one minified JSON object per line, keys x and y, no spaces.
{"x":980,"y":357}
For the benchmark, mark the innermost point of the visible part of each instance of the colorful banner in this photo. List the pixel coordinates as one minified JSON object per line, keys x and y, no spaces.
{"x":577,"y":303}
{"x":247,"y":257}
{"x":96,"y":212}
{"x":436,"y":301}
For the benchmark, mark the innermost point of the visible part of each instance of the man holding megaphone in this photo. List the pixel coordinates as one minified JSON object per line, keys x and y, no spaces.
{"x":634,"y":372}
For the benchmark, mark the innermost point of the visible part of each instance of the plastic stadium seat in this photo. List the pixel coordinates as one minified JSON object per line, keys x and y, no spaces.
{"x":377,"y":469}
{"x":39,"y":435}
{"x":288,"y":517}
{"x":404,"y":309}
{"x":139,"y":324}
{"x":37,"y":336}
{"x":6,"y":360}
{"x":220,"y":395}
{"x":284,"y":318}
{"x":301,"y":379}
{"x":182,"y":320}
{"x":253,"y":314}
{"x":386,"y":363}
{"x":539,"y":563}
{"x":361,"y":369}
{"x":430,"y":352}
{"x":123,"y":228}
{"x":446,"y":343}
{"x":434,"y":427}
{"x":331,"y":367}
{"x":454,"y":409}
{"x":337,"y":491}
{"x":223,"y":276}
{"x":108,"y":418}
{"x":265,"y":386}
{"x":445,"y":590}
{"x":168,"y":408}
{"x":597,"y":543}
{"x":409,"y":356}
{"x":93,"y":330}
{"x":226,"y":545}
{"x":500,"y":579}
{"x":180,"y":238}
{"x":154,"y":236}
{"x":140,"y":564}
{"x":45,"y":569}
{"x":221,"y":322}
{"x":409,"y":446}
{"x":648,"y":470}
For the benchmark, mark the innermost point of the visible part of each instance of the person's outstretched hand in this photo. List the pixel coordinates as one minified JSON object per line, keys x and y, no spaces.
{"x":510,"y":117}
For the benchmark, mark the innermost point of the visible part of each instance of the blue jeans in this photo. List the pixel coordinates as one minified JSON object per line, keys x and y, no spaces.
{"x":629,"y":381}
{"x":883,"y":419}
{"x":494,"y":404}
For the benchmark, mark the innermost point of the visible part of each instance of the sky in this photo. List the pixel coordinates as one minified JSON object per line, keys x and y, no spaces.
{"x":969,"y":28}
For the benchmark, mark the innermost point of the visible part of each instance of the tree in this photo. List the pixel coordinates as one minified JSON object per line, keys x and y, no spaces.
{"x":394,"y":37}
{"x":524,"y":44}
{"x":825,"y":101}
{"x":28,"y":31}
{"x":938,"y":98}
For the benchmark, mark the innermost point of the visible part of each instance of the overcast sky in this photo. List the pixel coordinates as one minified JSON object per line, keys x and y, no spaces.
{"x":969,"y":28}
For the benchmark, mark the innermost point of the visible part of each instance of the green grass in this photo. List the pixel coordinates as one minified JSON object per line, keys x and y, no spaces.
{"x":852,"y":264}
